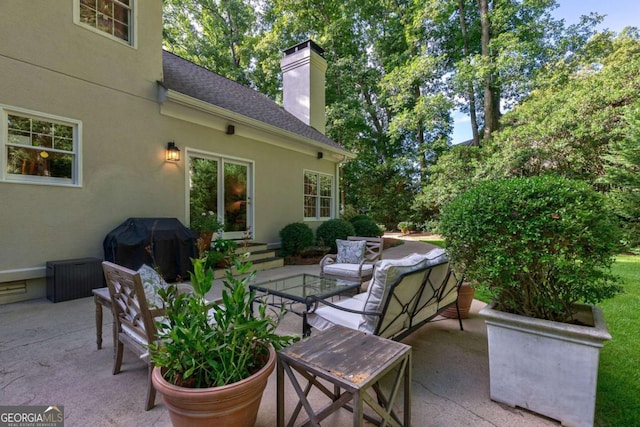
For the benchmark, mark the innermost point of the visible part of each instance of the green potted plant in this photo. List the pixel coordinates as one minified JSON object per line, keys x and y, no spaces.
{"x":405,"y":226}
{"x":213,"y":359}
{"x":542,"y":248}
{"x":206,"y":224}
{"x":220,"y":253}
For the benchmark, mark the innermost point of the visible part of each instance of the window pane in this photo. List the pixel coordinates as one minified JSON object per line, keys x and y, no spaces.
{"x":18,"y":137}
{"x":63,"y":131}
{"x":105,"y":24}
{"x":310,"y":184}
{"x":309,"y":207}
{"x":39,"y":126}
{"x":325,"y":207}
{"x":27,"y":161}
{"x":111,"y":16}
{"x":40,"y":140}
{"x":63,"y":144}
{"x":19,"y":123}
{"x":106,"y":7}
{"x":204,"y":187}
{"x":325,"y":186}
{"x":235,"y":197}
{"x":121,"y":30}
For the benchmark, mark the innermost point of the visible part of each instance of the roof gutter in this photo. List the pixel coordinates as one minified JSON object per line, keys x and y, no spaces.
{"x":165,"y":94}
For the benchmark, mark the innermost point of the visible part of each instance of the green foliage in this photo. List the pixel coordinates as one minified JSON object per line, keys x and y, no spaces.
{"x":221,"y":249}
{"x":430,"y":226}
{"x":455,"y":172}
{"x":205,"y":344}
{"x":217,"y":35}
{"x":295,"y":238}
{"x":329,"y":231}
{"x":396,"y":71}
{"x":366,"y":228}
{"x":358,"y":217}
{"x":205,"y":221}
{"x":406,"y":226}
{"x":567,"y":128}
{"x":623,"y":175}
{"x":538,"y":244}
{"x":618,"y":393}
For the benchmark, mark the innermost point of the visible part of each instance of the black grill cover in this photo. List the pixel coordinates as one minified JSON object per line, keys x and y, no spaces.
{"x":172,"y":244}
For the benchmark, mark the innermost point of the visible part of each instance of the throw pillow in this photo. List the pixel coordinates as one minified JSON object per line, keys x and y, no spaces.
{"x":350,"y":251}
{"x":151,"y":282}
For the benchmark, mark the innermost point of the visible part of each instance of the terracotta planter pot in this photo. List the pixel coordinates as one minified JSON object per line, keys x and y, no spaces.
{"x":465,"y":298}
{"x":204,"y":241}
{"x":233,"y":405}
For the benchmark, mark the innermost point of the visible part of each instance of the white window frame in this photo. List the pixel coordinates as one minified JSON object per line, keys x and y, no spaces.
{"x":318,"y":196}
{"x":133,"y":24}
{"x":76,"y":168}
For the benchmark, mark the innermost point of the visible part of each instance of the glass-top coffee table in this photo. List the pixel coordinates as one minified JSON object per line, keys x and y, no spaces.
{"x":302,"y":289}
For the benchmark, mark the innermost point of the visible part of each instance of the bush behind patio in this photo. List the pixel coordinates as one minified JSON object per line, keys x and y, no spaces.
{"x":295,"y":237}
{"x":333,"y":229}
{"x":536,"y":244}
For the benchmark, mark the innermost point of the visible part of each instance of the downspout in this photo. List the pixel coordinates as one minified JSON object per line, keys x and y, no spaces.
{"x":340,"y":198}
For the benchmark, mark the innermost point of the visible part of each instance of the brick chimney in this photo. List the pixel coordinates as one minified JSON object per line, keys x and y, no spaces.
{"x":303,"y":79}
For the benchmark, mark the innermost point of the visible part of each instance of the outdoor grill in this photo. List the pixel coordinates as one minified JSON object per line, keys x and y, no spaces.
{"x":163,"y":243}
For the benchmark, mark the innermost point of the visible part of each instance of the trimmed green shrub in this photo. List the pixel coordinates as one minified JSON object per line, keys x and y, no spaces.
{"x":366,"y":228}
{"x":359,"y":217}
{"x":405,"y":226}
{"x":334,"y":229}
{"x":537,"y":245}
{"x":295,"y":237}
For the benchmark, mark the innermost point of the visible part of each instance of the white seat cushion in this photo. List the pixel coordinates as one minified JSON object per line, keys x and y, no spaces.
{"x":347,"y":270}
{"x":325,"y":317}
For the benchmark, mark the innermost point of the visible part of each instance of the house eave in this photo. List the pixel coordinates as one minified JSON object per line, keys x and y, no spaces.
{"x":245,"y":126}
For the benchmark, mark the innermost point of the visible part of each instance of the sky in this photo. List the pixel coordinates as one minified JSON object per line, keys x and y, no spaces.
{"x":619,"y":14}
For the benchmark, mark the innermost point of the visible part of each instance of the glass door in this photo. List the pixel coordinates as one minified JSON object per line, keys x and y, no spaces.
{"x":236,"y":199}
{"x":221,"y":186}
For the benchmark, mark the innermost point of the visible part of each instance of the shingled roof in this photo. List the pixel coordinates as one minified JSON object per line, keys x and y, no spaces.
{"x":195,"y":81}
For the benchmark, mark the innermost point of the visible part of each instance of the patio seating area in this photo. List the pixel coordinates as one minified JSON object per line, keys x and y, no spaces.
{"x":49,"y":357}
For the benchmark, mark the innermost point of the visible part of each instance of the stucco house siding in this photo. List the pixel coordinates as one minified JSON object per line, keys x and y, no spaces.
{"x":127,"y":114}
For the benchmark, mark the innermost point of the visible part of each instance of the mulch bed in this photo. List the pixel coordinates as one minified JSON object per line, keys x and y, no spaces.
{"x":389,"y":242}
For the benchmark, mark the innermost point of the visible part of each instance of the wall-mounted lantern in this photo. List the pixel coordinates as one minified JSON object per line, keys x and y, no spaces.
{"x":173,"y":152}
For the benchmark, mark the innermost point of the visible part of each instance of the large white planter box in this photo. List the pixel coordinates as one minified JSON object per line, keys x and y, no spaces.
{"x":547,"y":367}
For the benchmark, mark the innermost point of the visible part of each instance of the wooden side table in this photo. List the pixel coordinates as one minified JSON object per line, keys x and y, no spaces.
{"x":353,"y":362}
{"x":101,"y":297}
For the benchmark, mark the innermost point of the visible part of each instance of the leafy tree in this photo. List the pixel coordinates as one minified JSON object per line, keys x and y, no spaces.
{"x":456,"y":171}
{"x":567,"y":128}
{"x":622,"y":172}
{"x":218,"y":35}
{"x":397,"y":69}
{"x":491,"y":52}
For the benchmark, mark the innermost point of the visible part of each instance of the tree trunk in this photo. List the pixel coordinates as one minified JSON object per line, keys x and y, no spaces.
{"x":470,"y":91}
{"x":490,"y":116}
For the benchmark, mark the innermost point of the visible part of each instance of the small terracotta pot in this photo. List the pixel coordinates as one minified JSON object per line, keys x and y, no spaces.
{"x":233,"y":405}
{"x":465,"y":298}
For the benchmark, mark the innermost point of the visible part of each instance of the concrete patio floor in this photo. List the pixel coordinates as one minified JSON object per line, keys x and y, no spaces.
{"x":48,"y":356}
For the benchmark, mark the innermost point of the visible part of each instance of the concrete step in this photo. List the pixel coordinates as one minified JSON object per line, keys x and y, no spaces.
{"x":261,"y":257}
{"x":259,"y":265}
